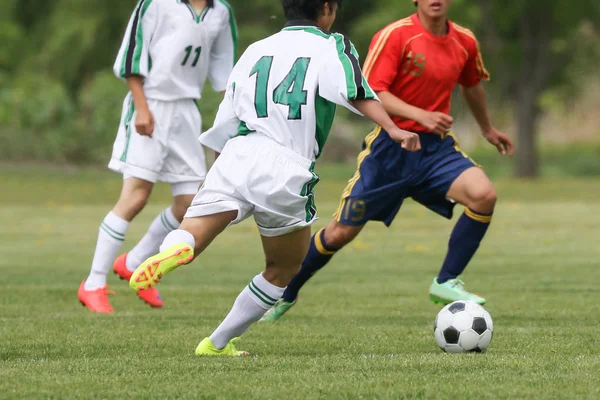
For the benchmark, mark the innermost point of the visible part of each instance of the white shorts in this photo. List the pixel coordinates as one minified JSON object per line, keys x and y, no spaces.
{"x":256,"y":176}
{"x":173,"y":153}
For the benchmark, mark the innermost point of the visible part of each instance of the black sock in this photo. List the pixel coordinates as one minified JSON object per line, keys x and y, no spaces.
{"x":318,"y":255}
{"x":464,"y":242}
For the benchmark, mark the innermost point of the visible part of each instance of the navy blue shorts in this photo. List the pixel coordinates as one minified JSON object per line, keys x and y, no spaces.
{"x":387,"y":174}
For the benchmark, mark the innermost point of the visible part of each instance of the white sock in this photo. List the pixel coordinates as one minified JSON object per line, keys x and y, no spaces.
{"x":110,"y":238}
{"x":249,"y":307}
{"x":149,"y":245}
{"x":178,"y":236}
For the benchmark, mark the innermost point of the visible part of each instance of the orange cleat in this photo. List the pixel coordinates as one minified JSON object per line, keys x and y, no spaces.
{"x":95,"y":300}
{"x":149,"y":296}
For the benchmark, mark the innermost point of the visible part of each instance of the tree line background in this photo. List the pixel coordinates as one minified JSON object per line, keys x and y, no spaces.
{"x":60,"y":102}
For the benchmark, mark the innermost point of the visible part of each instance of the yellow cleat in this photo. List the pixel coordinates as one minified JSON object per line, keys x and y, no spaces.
{"x":207,"y":348}
{"x":150,"y":272}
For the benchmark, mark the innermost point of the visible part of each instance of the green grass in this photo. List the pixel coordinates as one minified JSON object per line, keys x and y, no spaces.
{"x":363,"y":327}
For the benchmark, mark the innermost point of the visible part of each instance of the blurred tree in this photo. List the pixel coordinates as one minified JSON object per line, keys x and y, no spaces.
{"x":66,"y":48}
{"x":533,"y":44}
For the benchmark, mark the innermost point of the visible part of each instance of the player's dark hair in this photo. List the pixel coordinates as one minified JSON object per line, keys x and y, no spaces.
{"x":305,"y":9}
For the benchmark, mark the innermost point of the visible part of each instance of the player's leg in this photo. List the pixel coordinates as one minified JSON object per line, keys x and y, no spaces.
{"x":374,"y":193}
{"x":134,"y":196}
{"x":450,"y":176}
{"x":216,"y":205}
{"x":283,"y":257}
{"x":323,"y":246}
{"x":180,"y":247}
{"x":184,"y":168}
{"x":474,"y":190}
{"x":165,"y":222}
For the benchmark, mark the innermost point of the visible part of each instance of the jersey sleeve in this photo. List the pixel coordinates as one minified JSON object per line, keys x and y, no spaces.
{"x":383,"y":61}
{"x":474,"y":70}
{"x":223,"y":53}
{"x":341,"y":80}
{"x":133,"y":57}
{"x":226,"y":123}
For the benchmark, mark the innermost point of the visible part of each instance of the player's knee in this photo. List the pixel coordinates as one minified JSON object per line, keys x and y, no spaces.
{"x":338,"y":235}
{"x":133,"y":203}
{"x":484,"y":198}
{"x":180,"y":206}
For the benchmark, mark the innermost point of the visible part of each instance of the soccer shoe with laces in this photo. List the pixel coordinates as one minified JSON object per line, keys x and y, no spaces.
{"x":277,"y":311}
{"x":151,"y":271}
{"x":451,"y":291}
{"x":95,"y":300}
{"x":148,"y":296}
{"x":207,"y":348}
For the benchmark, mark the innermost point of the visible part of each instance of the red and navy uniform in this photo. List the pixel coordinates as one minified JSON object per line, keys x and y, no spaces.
{"x":422,"y":70}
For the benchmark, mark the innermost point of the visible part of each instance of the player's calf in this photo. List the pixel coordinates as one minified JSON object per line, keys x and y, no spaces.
{"x":323,"y":245}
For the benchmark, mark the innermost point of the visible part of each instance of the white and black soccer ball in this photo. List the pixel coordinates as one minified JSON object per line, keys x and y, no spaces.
{"x":463,"y":326}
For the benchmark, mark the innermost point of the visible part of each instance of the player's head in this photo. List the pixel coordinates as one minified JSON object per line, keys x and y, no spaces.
{"x":323,"y":12}
{"x":433,"y":8}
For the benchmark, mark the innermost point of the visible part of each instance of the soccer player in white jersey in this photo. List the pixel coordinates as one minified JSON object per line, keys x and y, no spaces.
{"x":169,"y":49}
{"x":270,"y":128}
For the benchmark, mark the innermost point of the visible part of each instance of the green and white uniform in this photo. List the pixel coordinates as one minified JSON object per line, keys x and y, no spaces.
{"x":273,"y":124}
{"x":175,"y":49}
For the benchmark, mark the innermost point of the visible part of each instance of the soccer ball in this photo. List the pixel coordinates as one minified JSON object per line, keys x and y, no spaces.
{"x":463,"y":326}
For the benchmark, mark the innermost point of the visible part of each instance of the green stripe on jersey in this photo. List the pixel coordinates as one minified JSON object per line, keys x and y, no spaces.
{"x":324,"y":116}
{"x":243,"y":129}
{"x":144,"y":4}
{"x":233,"y":27}
{"x":347,"y":64}
{"x":139,"y":41}
{"x":369,"y":93}
{"x":309,"y":29}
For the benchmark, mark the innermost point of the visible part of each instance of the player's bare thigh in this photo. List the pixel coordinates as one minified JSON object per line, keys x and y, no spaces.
{"x":474,"y":189}
{"x":284,"y":255}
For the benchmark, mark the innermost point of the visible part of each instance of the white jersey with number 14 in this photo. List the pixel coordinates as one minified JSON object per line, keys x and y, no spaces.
{"x":286,"y":87}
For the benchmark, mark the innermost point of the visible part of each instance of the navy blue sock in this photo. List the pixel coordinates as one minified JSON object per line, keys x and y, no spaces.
{"x":464,"y":242}
{"x":317,"y":257}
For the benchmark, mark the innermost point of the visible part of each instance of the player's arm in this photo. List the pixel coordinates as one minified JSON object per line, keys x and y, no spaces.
{"x":436,"y":122}
{"x":226,"y":124}
{"x":223,"y":53}
{"x":472,"y":90}
{"x":132,"y":63}
{"x":144,"y":121}
{"x":373,"y":110}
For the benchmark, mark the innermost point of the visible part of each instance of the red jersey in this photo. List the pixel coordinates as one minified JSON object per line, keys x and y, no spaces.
{"x":421,"y":69}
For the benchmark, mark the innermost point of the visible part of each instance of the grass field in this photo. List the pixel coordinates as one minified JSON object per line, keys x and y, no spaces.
{"x":363,"y":327}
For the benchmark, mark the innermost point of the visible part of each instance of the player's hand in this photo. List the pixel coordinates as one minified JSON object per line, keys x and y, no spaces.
{"x":436,"y":122}
{"x":409,"y":140}
{"x":144,"y":122}
{"x":502,"y":142}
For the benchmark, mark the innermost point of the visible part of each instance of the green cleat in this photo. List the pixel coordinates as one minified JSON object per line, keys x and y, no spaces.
{"x":451,"y":291}
{"x":207,"y":348}
{"x":277,"y":311}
